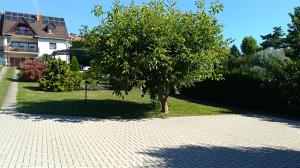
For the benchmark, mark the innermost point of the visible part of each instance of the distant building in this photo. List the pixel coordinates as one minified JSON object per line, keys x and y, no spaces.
{"x":30,"y":36}
{"x":73,"y":37}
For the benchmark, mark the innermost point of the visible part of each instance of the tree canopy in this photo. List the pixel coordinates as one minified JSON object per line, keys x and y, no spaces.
{"x":293,"y":36}
{"x":156,"y":46}
{"x":249,"y":45}
{"x":77,"y":44}
{"x":234,"y":51}
{"x":273,"y":40}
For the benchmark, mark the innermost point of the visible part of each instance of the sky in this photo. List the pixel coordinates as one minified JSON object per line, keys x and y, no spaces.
{"x":240,"y":18}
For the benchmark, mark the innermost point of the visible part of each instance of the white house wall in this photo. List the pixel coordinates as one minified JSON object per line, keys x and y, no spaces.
{"x":44,"y":48}
{"x":64,"y":58}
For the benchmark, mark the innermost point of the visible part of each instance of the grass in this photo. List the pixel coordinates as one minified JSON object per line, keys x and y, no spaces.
{"x":4,"y":84}
{"x":103,"y":104}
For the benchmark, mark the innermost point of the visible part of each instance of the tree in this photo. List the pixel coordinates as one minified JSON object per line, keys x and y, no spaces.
{"x":273,"y":40}
{"x":249,"y":45}
{"x":79,"y":50}
{"x":293,"y":37}
{"x":74,"y":64}
{"x":46,"y":58}
{"x":234,"y":51}
{"x":77,"y":44}
{"x":155,"y":46}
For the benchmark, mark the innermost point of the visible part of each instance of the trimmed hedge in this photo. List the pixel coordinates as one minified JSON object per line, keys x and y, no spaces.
{"x":277,"y":91}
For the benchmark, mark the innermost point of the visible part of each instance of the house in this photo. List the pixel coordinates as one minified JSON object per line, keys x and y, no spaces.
{"x":73,"y":37}
{"x":30,"y":36}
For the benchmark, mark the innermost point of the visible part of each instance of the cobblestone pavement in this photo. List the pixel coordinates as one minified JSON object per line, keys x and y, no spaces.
{"x":211,"y":141}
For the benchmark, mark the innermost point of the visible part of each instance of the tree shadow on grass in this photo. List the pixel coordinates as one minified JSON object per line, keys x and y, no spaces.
{"x":261,"y":115}
{"x":74,"y":110}
{"x":13,"y":79}
{"x":32,"y":88}
{"x":215,"y":156}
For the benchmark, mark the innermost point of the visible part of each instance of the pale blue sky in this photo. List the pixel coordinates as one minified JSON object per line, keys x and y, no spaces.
{"x":240,"y":17}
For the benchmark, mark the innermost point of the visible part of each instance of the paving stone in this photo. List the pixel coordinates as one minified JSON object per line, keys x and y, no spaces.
{"x":210,"y":141}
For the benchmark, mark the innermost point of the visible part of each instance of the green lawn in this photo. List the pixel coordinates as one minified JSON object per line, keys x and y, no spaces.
{"x":4,"y":84}
{"x":103,"y":104}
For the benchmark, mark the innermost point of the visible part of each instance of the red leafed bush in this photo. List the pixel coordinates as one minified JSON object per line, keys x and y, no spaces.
{"x":32,"y":69}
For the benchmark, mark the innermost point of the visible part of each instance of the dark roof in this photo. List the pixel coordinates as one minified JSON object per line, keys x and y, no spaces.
{"x":9,"y":20}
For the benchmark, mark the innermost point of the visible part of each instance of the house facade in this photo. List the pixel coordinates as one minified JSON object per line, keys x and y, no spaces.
{"x":73,"y":37}
{"x":30,"y":36}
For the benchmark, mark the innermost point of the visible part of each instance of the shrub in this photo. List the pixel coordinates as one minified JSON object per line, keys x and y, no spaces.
{"x":47,"y":58}
{"x":285,"y":82}
{"x":59,"y":78}
{"x":32,"y":70}
{"x":267,"y":80}
{"x":74,"y":64}
{"x":240,"y":87}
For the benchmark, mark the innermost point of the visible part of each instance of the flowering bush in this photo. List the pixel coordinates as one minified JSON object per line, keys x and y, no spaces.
{"x":32,"y":70}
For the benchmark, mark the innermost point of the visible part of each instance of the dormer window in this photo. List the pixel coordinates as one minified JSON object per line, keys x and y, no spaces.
{"x":22,"y":29}
{"x":50,"y":30}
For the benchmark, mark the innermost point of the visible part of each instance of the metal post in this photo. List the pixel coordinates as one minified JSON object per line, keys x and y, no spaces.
{"x":85,"y":98}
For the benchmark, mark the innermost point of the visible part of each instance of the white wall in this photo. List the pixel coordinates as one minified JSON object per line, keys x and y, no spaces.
{"x":5,"y":41}
{"x":63,"y":57}
{"x":44,"y":48}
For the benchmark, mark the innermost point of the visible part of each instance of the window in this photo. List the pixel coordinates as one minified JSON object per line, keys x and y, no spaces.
{"x":14,"y":44}
{"x":33,"y":47}
{"x":50,"y":30}
{"x":22,"y":28}
{"x":52,"y":46}
{"x":23,"y":47}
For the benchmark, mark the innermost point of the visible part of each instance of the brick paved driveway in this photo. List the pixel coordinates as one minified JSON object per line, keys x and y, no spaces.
{"x":210,"y":141}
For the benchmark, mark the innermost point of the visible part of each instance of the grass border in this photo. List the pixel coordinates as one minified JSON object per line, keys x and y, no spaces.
{"x":5,"y":83}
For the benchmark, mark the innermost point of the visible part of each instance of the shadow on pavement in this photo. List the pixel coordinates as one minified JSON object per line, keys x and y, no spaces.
{"x":215,"y":156}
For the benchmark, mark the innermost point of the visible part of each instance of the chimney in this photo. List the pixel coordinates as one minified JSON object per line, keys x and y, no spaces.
{"x":38,"y":16}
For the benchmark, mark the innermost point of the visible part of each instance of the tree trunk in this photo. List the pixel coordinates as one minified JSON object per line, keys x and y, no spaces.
{"x":164,"y":100}
{"x":164,"y":105}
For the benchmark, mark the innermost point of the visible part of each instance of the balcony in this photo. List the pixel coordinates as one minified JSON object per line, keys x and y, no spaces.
{"x":31,"y":50}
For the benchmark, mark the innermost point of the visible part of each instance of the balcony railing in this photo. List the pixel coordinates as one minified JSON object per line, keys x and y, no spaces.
{"x":21,"y":49}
